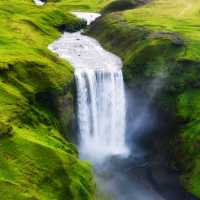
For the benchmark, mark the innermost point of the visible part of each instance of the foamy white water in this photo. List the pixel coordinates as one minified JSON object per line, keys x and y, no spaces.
{"x":39,"y":3}
{"x":100,"y":93}
{"x":88,"y":17}
{"x":101,"y":113}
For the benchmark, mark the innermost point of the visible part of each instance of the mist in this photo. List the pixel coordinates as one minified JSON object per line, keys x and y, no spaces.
{"x":128,"y":178}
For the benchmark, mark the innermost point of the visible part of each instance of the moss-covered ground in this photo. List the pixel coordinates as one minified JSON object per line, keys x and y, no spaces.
{"x":36,"y":161}
{"x":161,"y":39}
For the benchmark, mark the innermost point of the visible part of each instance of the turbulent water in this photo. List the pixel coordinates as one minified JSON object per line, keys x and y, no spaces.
{"x":100,"y":91}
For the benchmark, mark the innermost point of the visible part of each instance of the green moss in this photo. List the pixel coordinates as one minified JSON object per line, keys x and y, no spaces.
{"x":188,"y":108}
{"x":5,"y":130}
{"x":89,"y":5}
{"x":39,"y":163}
{"x":36,"y":160}
{"x":189,"y":105}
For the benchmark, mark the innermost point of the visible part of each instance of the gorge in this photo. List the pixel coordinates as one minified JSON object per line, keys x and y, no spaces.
{"x":102,"y":122}
{"x":99,"y":100}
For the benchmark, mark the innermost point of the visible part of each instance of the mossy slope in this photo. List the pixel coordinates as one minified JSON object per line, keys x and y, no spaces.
{"x":161,"y":40}
{"x":35,"y":98}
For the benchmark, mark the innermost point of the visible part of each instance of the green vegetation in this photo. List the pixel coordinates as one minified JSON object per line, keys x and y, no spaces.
{"x":161,"y":39}
{"x":36,"y":104}
{"x":84,"y":5}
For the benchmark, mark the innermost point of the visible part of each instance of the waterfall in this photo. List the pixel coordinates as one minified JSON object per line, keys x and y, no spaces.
{"x":100,"y":94}
{"x":101,"y":113}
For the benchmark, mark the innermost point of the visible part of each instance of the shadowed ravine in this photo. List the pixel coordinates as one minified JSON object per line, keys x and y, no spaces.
{"x":124,"y":171}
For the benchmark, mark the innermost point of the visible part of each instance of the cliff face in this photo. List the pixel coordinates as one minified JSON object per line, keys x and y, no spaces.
{"x":161,"y":40}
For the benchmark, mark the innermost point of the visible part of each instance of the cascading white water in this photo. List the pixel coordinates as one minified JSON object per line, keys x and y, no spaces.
{"x":101,"y":113}
{"x":100,"y":91}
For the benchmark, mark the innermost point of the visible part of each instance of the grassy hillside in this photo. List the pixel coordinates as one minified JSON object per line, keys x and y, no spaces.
{"x":85,"y":5}
{"x":36,"y":104}
{"x":162,"y":40}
